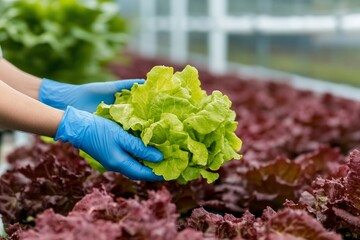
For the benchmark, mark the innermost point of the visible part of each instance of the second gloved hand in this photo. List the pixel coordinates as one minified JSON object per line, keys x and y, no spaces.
{"x":108,"y":143}
{"x":84,"y":97}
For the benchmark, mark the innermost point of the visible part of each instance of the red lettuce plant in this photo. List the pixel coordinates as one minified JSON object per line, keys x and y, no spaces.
{"x":98,"y":216}
{"x":335,"y":201}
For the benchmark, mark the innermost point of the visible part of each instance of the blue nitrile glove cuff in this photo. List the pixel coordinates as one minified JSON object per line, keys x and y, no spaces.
{"x":54,"y":93}
{"x":73,"y":126}
{"x":84,"y":97}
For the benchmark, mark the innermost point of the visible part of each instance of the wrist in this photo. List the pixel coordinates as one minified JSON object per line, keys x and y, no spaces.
{"x":27,"y":114}
{"x":19,"y":80}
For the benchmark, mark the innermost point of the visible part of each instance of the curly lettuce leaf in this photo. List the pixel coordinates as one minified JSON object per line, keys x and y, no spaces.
{"x":170,"y":111}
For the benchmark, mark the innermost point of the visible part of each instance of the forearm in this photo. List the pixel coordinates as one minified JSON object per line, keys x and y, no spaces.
{"x":19,"y":80}
{"x":21,"y":112}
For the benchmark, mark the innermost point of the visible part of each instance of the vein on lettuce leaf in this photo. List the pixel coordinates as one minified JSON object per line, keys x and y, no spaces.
{"x":170,"y":111}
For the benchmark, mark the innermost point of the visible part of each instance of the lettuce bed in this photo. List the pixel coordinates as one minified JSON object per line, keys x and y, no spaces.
{"x":298,"y":178}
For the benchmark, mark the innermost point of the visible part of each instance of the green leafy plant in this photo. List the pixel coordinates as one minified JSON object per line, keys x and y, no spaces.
{"x":3,"y":234}
{"x":66,"y":40}
{"x":193,"y":130}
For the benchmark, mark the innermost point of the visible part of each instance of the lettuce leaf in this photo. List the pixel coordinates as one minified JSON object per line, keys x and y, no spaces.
{"x":170,"y":111}
{"x":284,"y":224}
{"x":335,"y":200}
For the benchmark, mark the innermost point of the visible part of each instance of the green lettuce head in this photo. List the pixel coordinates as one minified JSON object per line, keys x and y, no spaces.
{"x":193,"y":130}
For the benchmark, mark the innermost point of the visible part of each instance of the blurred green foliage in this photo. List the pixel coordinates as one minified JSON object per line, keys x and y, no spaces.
{"x":65,"y":40}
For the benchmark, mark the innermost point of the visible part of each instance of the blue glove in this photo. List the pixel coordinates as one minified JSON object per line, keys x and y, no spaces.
{"x":84,"y":97}
{"x":108,"y":143}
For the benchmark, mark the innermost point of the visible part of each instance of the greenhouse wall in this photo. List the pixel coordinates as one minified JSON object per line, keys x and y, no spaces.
{"x":312,"y":38}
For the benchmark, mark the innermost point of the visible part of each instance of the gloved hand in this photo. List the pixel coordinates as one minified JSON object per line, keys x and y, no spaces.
{"x":108,"y":143}
{"x":84,"y":97}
